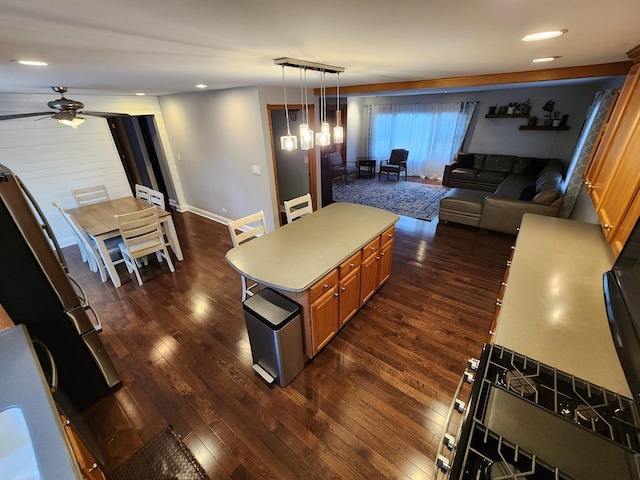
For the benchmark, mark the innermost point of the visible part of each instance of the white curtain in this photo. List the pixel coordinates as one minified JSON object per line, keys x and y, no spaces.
{"x":432,"y":133}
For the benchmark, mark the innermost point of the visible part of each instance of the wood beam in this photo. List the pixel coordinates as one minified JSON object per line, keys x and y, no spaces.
{"x":566,"y":73}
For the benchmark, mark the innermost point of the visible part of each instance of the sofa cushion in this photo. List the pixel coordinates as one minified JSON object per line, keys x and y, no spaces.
{"x":499,"y":163}
{"x":464,"y":174}
{"x":465,"y":160}
{"x":513,"y":186}
{"x":491,"y":177}
{"x":553,"y":166}
{"x":478,"y":162}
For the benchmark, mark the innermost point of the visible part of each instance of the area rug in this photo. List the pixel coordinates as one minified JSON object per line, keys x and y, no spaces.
{"x":411,"y":199}
{"x":165,"y":457}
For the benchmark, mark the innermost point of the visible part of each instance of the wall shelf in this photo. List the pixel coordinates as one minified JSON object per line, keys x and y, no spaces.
{"x":513,"y":115}
{"x":541,"y":127}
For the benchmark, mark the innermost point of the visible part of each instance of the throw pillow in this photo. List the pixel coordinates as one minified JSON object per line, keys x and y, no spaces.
{"x":528,"y":192}
{"x":465,"y":160}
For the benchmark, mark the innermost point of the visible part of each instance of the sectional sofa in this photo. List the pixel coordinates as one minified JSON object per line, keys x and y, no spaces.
{"x":494,"y":191}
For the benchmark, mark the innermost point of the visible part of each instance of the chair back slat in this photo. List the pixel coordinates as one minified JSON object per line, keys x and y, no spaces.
{"x":156,"y":198}
{"x":142,"y":192}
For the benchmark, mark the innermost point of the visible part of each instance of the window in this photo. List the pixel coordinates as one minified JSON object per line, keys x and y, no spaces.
{"x":432,"y":133}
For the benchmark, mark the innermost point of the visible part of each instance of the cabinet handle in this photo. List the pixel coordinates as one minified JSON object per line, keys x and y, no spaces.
{"x":389,"y":235}
{"x":351,"y":265}
{"x":513,"y":247}
{"x":607,"y":226}
{"x":336,"y":294}
{"x":373,"y":249}
{"x":498,"y":302}
{"x":504,"y":284}
{"x":508,"y":263}
{"x":326,"y":285}
{"x":93,"y":467}
{"x":382,"y":254}
{"x":343,"y":288}
{"x":378,"y":258}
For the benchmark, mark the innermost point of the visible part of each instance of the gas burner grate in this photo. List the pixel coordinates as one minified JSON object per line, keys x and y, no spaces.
{"x":604,"y":412}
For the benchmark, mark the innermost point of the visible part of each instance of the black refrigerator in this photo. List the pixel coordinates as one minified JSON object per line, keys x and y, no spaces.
{"x":35,"y":290}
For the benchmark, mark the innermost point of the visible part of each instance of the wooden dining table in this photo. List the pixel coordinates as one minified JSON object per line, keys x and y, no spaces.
{"x":98,"y":220}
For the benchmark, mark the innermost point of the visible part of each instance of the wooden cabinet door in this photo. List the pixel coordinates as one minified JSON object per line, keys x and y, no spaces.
{"x":88,"y":466}
{"x":616,"y":173}
{"x":623,"y":119}
{"x":324,"y":318}
{"x":626,"y":225}
{"x":369,"y":278}
{"x":349,"y":291}
{"x":384,"y":262}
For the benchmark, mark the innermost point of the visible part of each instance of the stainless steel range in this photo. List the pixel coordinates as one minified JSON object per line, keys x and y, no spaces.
{"x":529,"y":420}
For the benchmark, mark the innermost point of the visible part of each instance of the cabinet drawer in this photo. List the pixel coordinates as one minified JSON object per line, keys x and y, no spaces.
{"x":350,"y":265}
{"x":371,"y":248}
{"x":324,"y":285}
{"x":388,"y":234}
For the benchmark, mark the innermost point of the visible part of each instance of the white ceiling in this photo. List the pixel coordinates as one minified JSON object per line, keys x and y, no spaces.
{"x":167,"y":46}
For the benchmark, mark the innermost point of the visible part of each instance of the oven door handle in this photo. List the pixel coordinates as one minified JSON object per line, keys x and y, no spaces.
{"x":442,"y":462}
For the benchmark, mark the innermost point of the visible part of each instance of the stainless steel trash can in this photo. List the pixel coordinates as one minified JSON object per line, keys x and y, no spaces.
{"x":275,"y":334}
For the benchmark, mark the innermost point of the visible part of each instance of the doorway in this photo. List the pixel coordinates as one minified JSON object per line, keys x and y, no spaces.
{"x":141,"y":153}
{"x":295,"y":170}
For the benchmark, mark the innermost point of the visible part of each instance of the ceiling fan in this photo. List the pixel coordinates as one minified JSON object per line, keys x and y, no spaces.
{"x":67,"y":111}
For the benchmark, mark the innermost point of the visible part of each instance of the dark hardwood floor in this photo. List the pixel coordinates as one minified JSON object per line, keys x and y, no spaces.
{"x":370,"y":405}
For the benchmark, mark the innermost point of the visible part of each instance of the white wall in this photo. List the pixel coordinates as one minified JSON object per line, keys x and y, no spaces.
{"x":51,"y":159}
{"x":218,"y":136}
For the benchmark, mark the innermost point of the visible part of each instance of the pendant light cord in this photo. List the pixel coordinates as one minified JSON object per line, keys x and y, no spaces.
{"x":286,"y":108}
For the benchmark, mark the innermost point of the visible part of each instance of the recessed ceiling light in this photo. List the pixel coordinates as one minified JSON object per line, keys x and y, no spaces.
{"x":544,"y":59}
{"x":141,"y":94}
{"x":201,"y":85}
{"x":32,"y":63}
{"x":543,"y":35}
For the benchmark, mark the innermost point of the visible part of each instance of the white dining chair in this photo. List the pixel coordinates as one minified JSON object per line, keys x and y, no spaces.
{"x":142,"y":192}
{"x":242,"y":230}
{"x":156,"y":198}
{"x":297,"y":207}
{"x":141,"y":235}
{"x":89,"y":195}
{"x":88,"y":245}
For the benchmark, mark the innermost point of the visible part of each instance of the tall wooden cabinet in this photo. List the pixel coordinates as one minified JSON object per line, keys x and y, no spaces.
{"x":613,"y":174}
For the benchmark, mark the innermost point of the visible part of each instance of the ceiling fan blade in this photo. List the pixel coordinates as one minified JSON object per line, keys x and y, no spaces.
{"x":103,"y":114}
{"x":23,"y":115}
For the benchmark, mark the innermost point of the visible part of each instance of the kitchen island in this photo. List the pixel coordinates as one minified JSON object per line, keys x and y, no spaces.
{"x":330,"y":262}
{"x":553,"y":306}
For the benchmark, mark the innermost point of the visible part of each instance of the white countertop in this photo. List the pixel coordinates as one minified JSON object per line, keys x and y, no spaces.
{"x":553,"y":307}
{"x":295,"y":256}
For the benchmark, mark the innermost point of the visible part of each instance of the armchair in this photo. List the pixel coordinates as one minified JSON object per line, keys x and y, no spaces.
{"x":397,"y":163}
{"x":337,"y":166}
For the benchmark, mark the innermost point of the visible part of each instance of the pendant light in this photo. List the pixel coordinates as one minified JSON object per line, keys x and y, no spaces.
{"x":288,"y":141}
{"x":306,"y":134}
{"x":338,"y":132}
{"x":323,"y":137}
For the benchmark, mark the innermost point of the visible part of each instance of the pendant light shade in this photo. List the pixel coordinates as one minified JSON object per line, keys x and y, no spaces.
{"x":338,"y":132}
{"x":323,"y":137}
{"x":288,"y":141}
{"x":306,"y":134}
